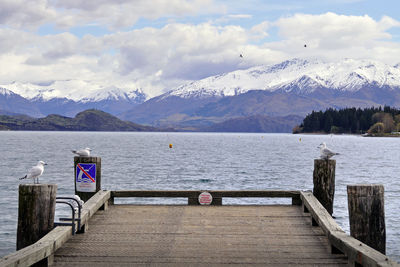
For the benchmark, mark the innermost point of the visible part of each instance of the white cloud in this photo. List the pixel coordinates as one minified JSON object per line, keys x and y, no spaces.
{"x":158,"y":59}
{"x":387,"y":22}
{"x":176,"y":52}
{"x":260,"y":30}
{"x":25,"y":14}
{"x":113,"y":14}
{"x":329,"y":26}
{"x":332,"y":36}
{"x":240,"y":16}
{"x":180,"y":50}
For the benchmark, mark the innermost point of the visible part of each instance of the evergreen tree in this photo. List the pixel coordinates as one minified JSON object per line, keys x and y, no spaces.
{"x":352,"y":120}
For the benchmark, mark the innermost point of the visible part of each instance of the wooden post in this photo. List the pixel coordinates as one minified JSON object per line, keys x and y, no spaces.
{"x":86,"y":187}
{"x":36,"y":208}
{"x":367,"y":215}
{"x":324,"y":182}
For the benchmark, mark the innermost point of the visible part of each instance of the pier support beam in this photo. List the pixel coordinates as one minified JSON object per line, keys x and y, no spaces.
{"x":324,"y":182}
{"x":367,"y":215}
{"x":87,"y":176}
{"x":36,"y":209}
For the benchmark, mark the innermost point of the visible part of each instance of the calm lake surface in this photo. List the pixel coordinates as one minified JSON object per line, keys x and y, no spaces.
{"x":201,"y":161}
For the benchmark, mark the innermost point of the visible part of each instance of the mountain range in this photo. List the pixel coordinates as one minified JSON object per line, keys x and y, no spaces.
{"x":293,"y":87}
{"x":39,"y":100}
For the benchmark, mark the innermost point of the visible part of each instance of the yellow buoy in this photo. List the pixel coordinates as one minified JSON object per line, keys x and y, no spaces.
{"x":170,"y":145}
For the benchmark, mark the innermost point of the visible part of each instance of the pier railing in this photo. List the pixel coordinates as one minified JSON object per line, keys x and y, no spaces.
{"x":45,"y":248}
{"x":217,"y":196}
{"x":357,"y":252}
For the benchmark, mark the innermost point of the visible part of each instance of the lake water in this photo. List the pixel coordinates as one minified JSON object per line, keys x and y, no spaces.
{"x":201,"y":161}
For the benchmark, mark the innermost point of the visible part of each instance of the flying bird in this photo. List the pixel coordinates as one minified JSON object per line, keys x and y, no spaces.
{"x":82,"y":152}
{"x":326,"y":153}
{"x":35,"y":172}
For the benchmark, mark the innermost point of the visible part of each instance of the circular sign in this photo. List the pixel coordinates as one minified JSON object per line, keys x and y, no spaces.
{"x":205,"y":198}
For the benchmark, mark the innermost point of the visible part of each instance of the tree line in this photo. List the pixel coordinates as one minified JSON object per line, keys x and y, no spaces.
{"x":374,"y":120}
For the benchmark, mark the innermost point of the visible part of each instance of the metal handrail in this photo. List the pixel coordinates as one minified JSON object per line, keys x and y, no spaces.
{"x":79,"y":211}
{"x":73,"y":217}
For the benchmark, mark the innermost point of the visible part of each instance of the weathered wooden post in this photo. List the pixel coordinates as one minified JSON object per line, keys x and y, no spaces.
{"x":87,"y":176}
{"x":367,"y":215}
{"x":324,"y":182}
{"x":36,"y":209}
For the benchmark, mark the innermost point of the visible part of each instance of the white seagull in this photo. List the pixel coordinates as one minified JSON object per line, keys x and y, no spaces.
{"x":35,"y":172}
{"x":81,"y":202}
{"x":82,"y":152}
{"x":326,"y":153}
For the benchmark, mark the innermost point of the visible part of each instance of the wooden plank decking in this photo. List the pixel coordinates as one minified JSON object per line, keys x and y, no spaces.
{"x":277,"y":235}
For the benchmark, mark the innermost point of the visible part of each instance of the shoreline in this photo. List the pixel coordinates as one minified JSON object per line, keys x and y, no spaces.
{"x":362,"y":135}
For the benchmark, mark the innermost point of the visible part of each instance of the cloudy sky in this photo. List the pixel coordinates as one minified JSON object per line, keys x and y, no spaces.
{"x":157,"y":45}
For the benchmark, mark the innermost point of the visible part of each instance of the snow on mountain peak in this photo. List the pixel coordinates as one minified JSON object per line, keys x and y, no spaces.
{"x":6,"y":92}
{"x":304,"y":75}
{"x":75,"y":90}
{"x":113,"y":93}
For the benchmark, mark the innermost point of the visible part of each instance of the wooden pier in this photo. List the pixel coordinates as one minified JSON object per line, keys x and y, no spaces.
{"x":198,"y":235}
{"x":301,"y":234}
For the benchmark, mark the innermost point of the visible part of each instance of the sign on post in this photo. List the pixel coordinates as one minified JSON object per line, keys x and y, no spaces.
{"x":205,"y":198}
{"x":85,"y":177}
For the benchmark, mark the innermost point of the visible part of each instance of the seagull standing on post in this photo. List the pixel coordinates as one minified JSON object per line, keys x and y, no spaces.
{"x":82,"y":152}
{"x":326,"y":153}
{"x":35,"y":172}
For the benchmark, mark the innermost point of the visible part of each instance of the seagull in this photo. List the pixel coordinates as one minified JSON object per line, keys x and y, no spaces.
{"x":82,"y":152}
{"x":81,"y":202}
{"x":326,"y":153}
{"x":35,"y":172}
{"x":79,"y":199}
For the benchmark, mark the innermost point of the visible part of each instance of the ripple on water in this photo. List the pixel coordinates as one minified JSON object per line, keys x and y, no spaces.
{"x":201,"y":161}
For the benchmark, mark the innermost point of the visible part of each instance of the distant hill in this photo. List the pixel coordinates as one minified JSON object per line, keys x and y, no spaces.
{"x":88,"y":120}
{"x":9,"y":113}
{"x":256,"y":124}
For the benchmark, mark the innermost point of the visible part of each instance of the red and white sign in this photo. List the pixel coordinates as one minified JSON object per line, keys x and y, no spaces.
{"x":205,"y":198}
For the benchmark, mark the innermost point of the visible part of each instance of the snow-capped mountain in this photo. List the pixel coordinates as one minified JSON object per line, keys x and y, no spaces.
{"x":78,"y":91}
{"x":68,"y":98}
{"x":295,"y":86}
{"x":114,"y":93}
{"x":11,"y":103}
{"x":5,"y":92}
{"x":307,"y":75}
